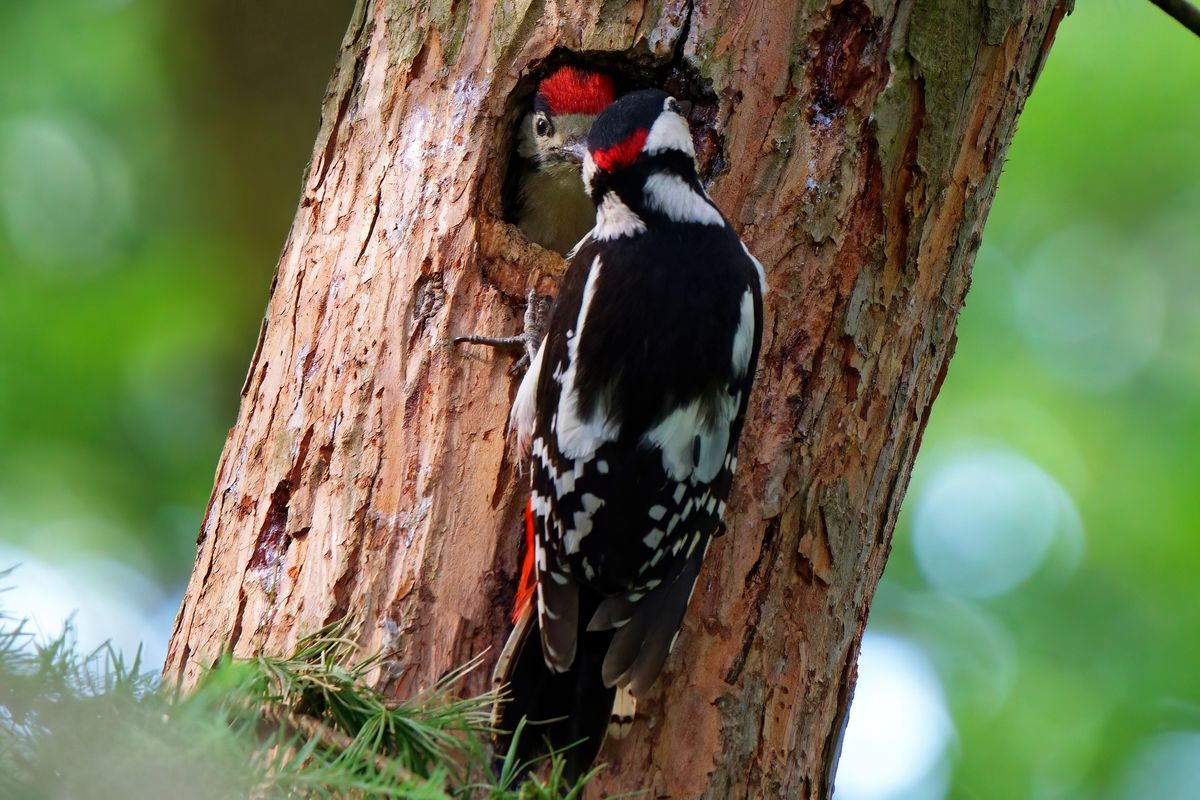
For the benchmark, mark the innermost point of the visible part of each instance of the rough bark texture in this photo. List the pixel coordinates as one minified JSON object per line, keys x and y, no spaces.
{"x":857,"y":148}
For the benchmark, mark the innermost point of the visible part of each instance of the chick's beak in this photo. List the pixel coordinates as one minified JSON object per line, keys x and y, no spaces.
{"x":574,"y":150}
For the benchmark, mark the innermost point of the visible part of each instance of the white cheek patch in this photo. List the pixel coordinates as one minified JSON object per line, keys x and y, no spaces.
{"x":671,"y":195}
{"x":669,"y":132}
{"x":743,"y":339}
{"x":615,"y":220}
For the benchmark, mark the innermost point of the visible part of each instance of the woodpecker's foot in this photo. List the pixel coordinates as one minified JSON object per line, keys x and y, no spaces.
{"x":536,"y":312}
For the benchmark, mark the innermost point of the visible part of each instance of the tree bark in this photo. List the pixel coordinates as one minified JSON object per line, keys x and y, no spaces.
{"x":856,"y":148}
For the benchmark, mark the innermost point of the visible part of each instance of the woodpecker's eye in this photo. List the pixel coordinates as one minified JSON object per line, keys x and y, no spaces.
{"x":673,"y":106}
{"x":542,"y":126}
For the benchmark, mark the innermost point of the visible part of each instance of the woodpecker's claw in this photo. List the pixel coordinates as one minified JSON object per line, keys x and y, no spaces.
{"x":499,"y":342}
{"x":536,"y":312}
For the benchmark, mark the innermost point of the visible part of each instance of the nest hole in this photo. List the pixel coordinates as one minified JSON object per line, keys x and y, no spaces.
{"x":629,"y":72}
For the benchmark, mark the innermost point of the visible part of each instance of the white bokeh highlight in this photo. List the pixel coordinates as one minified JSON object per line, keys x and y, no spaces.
{"x":985,"y":520}
{"x":1166,"y":767}
{"x":974,"y":652}
{"x":103,"y":600}
{"x":899,"y":728}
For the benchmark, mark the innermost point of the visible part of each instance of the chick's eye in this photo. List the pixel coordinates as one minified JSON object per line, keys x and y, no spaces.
{"x":541,"y":126}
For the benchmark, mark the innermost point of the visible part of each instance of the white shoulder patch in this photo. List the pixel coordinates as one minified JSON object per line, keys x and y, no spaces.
{"x":520,"y":419}
{"x":672,"y":196}
{"x":714,"y":441}
{"x":678,"y":434}
{"x":579,"y":437}
{"x":675,"y":436}
{"x":743,"y":338}
{"x":614,"y":220}
{"x":669,"y":132}
{"x":762,"y":275}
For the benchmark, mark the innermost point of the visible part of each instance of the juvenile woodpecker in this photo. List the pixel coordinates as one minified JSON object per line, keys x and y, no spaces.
{"x":631,"y":409}
{"x":553,"y":209}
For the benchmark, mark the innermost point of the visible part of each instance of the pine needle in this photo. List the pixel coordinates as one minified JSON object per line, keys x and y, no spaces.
{"x":306,"y":725}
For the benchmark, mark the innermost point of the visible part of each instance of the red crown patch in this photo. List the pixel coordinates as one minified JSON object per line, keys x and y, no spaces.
{"x":571,"y":90}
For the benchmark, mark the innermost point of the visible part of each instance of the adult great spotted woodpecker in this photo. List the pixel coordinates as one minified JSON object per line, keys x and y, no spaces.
{"x":631,"y":409}
{"x":552,"y":208}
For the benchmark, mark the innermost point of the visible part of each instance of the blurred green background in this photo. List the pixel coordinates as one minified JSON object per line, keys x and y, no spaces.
{"x":151,"y":155}
{"x":1036,"y":633}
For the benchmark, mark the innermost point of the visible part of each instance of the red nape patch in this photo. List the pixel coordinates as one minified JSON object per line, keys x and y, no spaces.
{"x":571,"y":90}
{"x":528,"y":580}
{"x":622,"y":154}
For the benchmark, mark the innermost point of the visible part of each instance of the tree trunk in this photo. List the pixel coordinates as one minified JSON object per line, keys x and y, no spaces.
{"x":856,"y":148}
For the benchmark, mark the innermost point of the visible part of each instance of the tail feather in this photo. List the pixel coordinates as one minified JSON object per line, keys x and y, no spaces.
{"x":566,"y":711}
{"x":640,"y":646}
{"x":624,"y":710}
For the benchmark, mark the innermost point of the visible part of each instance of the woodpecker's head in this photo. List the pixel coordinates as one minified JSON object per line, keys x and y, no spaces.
{"x":554,"y":134}
{"x":640,"y":134}
{"x":640,"y":170}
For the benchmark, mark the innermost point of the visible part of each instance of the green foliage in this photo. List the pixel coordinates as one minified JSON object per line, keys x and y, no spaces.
{"x":309,"y":725}
{"x":150,"y":159}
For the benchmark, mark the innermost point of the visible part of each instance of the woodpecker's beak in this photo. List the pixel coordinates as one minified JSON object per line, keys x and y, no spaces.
{"x":574,"y":150}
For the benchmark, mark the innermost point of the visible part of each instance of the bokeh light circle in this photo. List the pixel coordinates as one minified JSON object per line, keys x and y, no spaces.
{"x":985,"y":521}
{"x":65,"y":197}
{"x":1167,"y":767}
{"x":898,"y":729}
{"x":102,"y":600}
{"x":1092,"y":309}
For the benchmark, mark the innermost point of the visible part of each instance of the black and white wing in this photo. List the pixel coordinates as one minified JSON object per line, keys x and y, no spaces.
{"x":634,"y":408}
